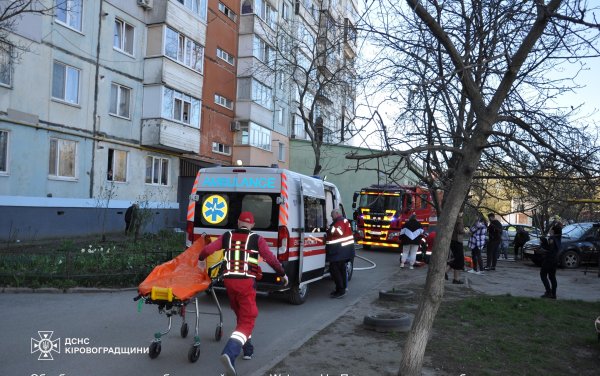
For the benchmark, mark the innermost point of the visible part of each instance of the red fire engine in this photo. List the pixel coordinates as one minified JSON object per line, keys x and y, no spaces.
{"x":380,"y":211}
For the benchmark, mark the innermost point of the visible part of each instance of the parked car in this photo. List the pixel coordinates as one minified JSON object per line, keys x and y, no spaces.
{"x":580,"y":245}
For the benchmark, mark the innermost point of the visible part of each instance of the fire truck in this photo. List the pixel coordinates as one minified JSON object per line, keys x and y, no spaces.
{"x":380,"y":211}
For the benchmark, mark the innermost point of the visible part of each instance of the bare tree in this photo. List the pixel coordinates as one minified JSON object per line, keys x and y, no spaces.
{"x":476,"y":84}
{"x":313,"y":55}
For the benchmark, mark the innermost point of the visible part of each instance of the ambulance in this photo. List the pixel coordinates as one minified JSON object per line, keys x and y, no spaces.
{"x":291,"y":211}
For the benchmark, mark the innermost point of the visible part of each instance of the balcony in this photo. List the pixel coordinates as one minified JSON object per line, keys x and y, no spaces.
{"x":169,"y":135}
{"x":349,"y":39}
{"x":162,"y":70}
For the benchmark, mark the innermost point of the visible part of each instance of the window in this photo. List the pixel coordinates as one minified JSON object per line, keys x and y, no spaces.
{"x":222,"y":101}
{"x":265,"y":12}
{"x":3,"y":152}
{"x":68,"y":13}
{"x":63,"y":157}
{"x":65,"y":83}
{"x":124,"y":36}
{"x":221,"y":149}
{"x":281,"y":155}
{"x":117,"y":165}
{"x":120,"y":97}
{"x":285,"y":11}
{"x":280,"y":115}
{"x":225,"y":56}
{"x":5,"y":64}
{"x":184,"y":50}
{"x":180,"y":107}
{"x":314,"y":209}
{"x":254,"y":135}
{"x":262,"y":50}
{"x":251,"y":89}
{"x":157,"y":170}
{"x":247,"y":7}
{"x":226,"y":11}
{"x":197,"y":7}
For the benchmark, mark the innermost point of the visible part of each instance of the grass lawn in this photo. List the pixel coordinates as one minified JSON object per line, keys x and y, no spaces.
{"x":505,"y":335}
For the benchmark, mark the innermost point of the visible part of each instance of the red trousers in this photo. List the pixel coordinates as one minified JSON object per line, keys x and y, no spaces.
{"x":242,"y":299}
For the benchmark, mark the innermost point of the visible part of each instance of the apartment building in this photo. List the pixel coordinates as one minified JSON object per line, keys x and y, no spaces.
{"x":100,"y":101}
{"x":104,"y":103}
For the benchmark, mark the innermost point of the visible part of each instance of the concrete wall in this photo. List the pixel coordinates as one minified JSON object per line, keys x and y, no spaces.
{"x":341,"y":171}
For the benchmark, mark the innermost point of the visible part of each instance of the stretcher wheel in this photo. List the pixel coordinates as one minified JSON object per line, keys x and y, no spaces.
{"x":218,"y":333}
{"x":184,"y":330}
{"x":194,"y":353}
{"x":154,"y":350}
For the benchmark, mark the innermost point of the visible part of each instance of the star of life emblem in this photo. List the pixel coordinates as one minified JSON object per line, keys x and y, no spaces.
{"x":45,"y":345}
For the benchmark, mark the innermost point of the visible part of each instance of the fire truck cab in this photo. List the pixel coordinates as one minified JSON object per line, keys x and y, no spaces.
{"x":291,"y":212}
{"x":380,"y":211}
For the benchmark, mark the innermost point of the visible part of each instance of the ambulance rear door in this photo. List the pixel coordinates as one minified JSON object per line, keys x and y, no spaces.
{"x":312,"y":247}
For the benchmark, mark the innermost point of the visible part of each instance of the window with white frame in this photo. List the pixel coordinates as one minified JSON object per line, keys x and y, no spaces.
{"x":280,"y":115}
{"x":198,"y":7}
{"x":120,"y":99}
{"x":3,"y":152}
{"x":62,"y":162}
{"x":222,"y":101}
{"x":251,"y":89}
{"x":254,"y":135}
{"x":280,"y":80}
{"x":65,"y":82}
{"x":224,"y":55}
{"x":6,"y":52}
{"x":184,"y":50}
{"x":281,"y":156}
{"x":220,"y":148}
{"x":117,"y":165}
{"x":228,"y":12}
{"x":262,"y":50}
{"x":265,"y":12}
{"x":180,"y":107}
{"x":124,"y":35}
{"x":69,"y":13}
{"x":157,"y":170}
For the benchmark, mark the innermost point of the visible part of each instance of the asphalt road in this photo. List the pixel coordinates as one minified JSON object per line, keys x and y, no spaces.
{"x":89,"y":331}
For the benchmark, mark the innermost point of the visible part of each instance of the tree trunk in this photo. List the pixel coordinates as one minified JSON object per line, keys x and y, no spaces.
{"x":413,"y":351}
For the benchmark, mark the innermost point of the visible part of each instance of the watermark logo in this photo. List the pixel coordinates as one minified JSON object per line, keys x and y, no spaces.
{"x":45,"y":345}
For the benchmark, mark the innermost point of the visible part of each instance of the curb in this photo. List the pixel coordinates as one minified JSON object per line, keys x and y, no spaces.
{"x":54,"y":290}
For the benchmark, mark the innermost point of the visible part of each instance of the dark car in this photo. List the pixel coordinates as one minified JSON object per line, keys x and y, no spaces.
{"x":580,"y":245}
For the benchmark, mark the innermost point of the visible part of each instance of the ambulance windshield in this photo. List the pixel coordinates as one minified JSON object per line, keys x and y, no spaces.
{"x":222,"y":209}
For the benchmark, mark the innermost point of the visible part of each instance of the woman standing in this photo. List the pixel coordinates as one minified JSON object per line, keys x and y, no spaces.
{"x":476,"y":243}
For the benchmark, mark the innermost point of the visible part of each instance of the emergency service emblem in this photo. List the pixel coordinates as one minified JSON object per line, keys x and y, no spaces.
{"x":45,"y":345}
{"x":214,"y":209}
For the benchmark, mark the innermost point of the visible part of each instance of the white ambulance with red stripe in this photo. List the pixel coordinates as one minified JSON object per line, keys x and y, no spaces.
{"x":291,"y":211}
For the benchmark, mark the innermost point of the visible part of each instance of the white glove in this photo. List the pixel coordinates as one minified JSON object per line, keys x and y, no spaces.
{"x":285,"y":280}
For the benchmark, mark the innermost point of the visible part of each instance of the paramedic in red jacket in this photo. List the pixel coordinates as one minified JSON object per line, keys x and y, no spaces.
{"x":242,"y":249}
{"x":339,"y":245}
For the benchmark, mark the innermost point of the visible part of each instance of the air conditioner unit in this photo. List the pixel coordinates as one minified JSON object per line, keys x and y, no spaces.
{"x":146,"y":4}
{"x":235,"y":126}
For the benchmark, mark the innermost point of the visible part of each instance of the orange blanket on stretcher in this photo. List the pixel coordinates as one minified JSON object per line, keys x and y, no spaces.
{"x":181,"y":274}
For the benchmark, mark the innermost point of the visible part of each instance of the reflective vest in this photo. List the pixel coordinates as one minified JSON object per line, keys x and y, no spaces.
{"x":340,"y":241}
{"x":241,"y":254}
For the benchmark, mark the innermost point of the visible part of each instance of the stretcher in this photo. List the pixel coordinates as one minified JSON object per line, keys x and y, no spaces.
{"x":175,"y":284}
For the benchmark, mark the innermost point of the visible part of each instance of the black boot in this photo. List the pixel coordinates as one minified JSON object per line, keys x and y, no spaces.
{"x":230,"y":352}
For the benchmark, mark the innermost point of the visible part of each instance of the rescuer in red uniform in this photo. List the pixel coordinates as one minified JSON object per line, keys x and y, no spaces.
{"x":339,"y":246}
{"x":242,"y":249}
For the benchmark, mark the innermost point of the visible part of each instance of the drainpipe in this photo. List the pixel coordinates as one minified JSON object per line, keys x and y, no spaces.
{"x":95,"y":112}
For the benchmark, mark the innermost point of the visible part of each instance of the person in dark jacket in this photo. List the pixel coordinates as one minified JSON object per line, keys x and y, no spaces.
{"x":410,"y":236}
{"x":339,"y":247}
{"x":494,"y":240}
{"x":548,"y":270}
{"x":131,"y":219}
{"x":521,"y":237}
{"x":457,"y":258}
{"x":242,"y":250}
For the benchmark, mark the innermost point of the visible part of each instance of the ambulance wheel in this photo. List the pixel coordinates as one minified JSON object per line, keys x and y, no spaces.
{"x":184,"y":330}
{"x":349,"y":270}
{"x":154,"y":350}
{"x":194,"y":353}
{"x":297,"y":294}
{"x":218,"y":333}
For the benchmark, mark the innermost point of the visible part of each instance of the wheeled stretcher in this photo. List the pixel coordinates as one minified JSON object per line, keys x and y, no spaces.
{"x":174,"y":285}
